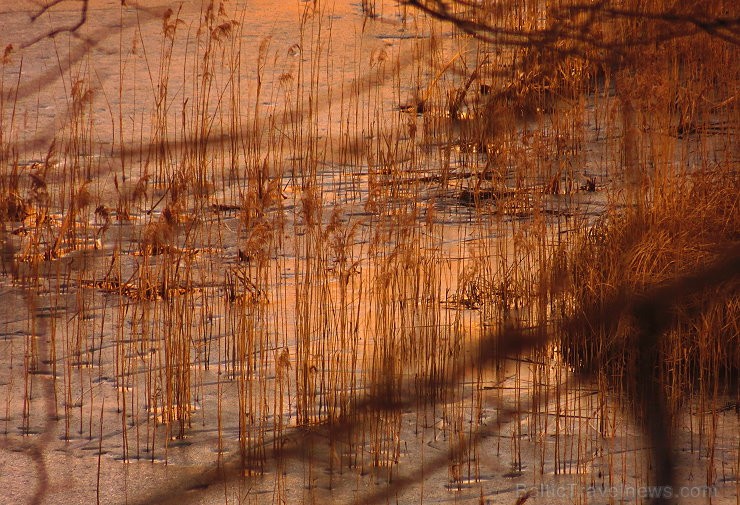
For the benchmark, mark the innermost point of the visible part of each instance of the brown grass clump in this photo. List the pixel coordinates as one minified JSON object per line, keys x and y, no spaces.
{"x":689,"y":224}
{"x":13,"y":207}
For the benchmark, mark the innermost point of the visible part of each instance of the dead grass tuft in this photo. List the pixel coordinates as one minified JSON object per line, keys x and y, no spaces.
{"x":680,"y":231}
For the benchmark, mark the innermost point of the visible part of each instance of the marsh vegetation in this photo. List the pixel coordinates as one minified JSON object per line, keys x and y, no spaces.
{"x":415,"y":252}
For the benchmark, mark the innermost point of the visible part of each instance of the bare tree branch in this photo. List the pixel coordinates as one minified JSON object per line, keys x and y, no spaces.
{"x":567,"y":26}
{"x":72,"y":29}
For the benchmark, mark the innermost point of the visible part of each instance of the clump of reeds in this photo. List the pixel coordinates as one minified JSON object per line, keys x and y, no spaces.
{"x":13,"y":207}
{"x":691,"y":222}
